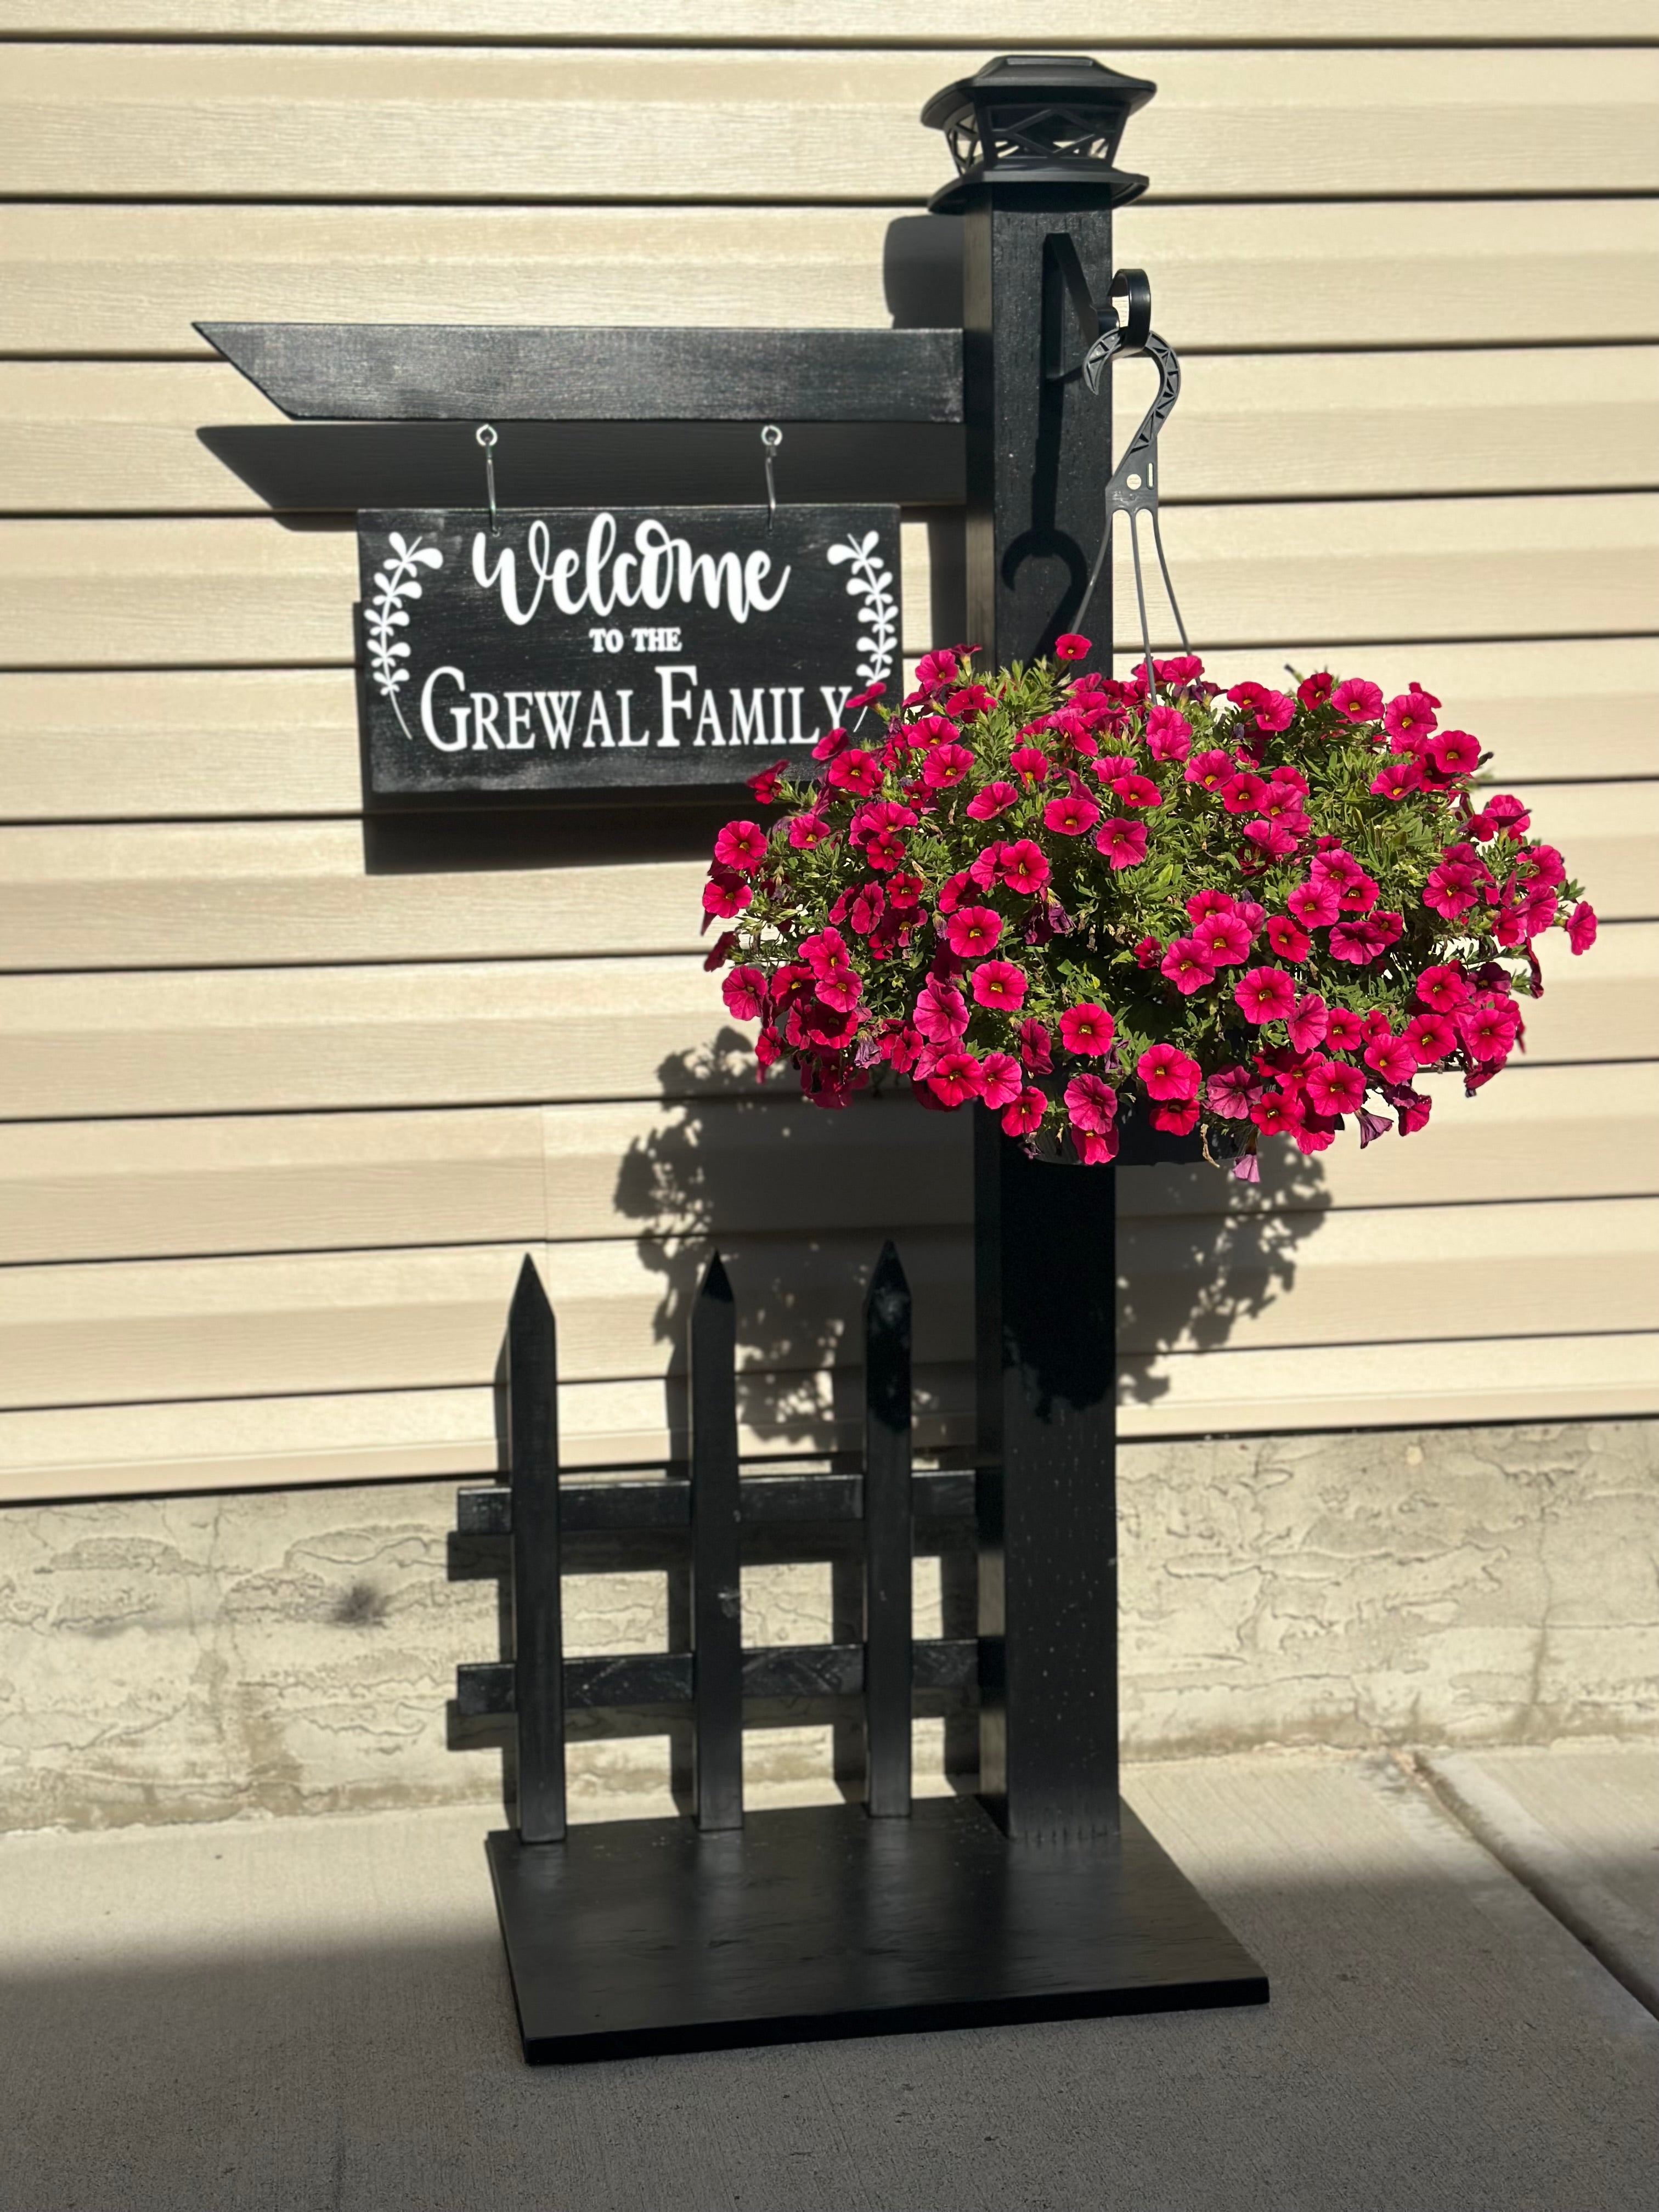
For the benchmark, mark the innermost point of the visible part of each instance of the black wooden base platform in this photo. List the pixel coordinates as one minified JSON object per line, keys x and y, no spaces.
{"x":643,"y":1936}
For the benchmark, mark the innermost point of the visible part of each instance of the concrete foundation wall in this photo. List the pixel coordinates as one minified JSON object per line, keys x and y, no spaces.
{"x":288,"y":1652}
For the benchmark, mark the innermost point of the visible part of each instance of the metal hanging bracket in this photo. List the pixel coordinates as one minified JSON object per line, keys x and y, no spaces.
{"x":1132,"y":488}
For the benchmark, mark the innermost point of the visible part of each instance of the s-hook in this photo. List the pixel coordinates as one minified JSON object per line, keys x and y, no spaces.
{"x":1131,"y":489}
{"x":771,"y":439}
{"x":485,"y":434}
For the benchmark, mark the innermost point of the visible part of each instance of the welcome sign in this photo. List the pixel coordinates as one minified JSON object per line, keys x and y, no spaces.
{"x":593,"y":649}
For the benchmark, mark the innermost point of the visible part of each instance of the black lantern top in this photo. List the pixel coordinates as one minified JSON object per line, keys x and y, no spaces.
{"x":1037,"y":120}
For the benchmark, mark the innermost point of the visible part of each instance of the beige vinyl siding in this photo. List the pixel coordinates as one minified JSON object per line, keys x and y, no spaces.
{"x":286,"y":1100}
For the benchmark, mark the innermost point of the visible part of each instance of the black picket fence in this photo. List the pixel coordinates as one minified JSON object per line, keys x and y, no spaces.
{"x":701,"y":1527}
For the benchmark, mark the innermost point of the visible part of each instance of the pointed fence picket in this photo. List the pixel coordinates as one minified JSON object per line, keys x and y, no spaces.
{"x":705,"y":1523}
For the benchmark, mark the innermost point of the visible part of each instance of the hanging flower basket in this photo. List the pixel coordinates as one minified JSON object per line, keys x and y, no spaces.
{"x":1249,"y":914}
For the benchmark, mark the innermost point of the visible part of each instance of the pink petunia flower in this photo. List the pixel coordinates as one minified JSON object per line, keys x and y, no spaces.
{"x":764,"y":782}
{"x":1071,"y":815}
{"x":855,"y":770}
{"x":1308,"y":1022}
{"x":1036,"y":1048}
{"x":1332,"y":1086}
{"x":744,"y":994}
{"x":741,"y":846}
{"x":935,"y":670}
{"x":1288,"y":939}
{"x":1451,"y":889}
{"x":1277,"y":1113}
{"x":1000,"y":985}
{"x":1443,"y":989}
{"x":1242,"y":791}
{"x":1413,"y":1108}
{"x":973,"y":931}
{"x":995,"y":799}
{"x":1000,"y":1079}
{"x":1169,"y":734}
{"x":1091,"y":1103}
{"x":985,"y":865}
{"x":1454,"y":752}
{"x":807,"y":830}
{"x":1120,"y":843}
{"x":1167,"y":1073}
{"x":1393,"y":1058}
{"x":1315,"y":904}
{"x":941,"y":1013}
{"x":1409,"y":717}
{"x":832,"y":742}
{"x":1023,"y":867}
{"x":1346,"y":1030}
{"x":1134,"y":789}
{"x":1178,"y":1119}
{"x":1360,"y":701}
{"x":1488,"y":1030}
{"x":1315,"y":691}
{"x":1068,"y":645}
{"x":955,"y":1078}
{"x":1272,"y":840}
{"x":1372,"y":1127}
{"x":1094,"y":1147}
{"x":1087,"y":1031}
{"x":1431,"y":1037}
{"x":1396,"y":780}
{"x":1581,"y":927}
{"x":928,"y":730}
{"x":1188,"y":965}
{"x":945,"y":765}
{"x":1030,"y":762}
{"x":1025,"y":1113}
{"x":1210,"y":770}
{"x":972,"y":699}
{"x":1264,"y":994}
{"x":1224,"y":940}
{"x":725,"y":894}
{"x":1148,"y":952}
{"x":1361,"y":942}
{"x":1231,"y":1093}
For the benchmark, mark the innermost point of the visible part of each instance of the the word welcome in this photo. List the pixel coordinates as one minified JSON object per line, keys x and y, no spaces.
{"x":598,"y":578}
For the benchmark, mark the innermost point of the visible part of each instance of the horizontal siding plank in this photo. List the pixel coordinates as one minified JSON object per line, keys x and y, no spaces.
{"x":1497,"y":1380}
{"x":171,"y":895}
{"x":109,"y":1190}
{"x":249,"y":594}
{"x":470,"y":1033}
{"x":110,"y":438}
{"x":355,"y":1322}
{"x":319,"y":1322}
{"x":96,"y":1190}
{"x":86,"y":745}
{"x":845,"y":22}
{"x":133,"y":121}
{"x":422,"y":1435}
{"x":379,"y":1436}
{"x":113,"y":280}
{"x":229,"y":894}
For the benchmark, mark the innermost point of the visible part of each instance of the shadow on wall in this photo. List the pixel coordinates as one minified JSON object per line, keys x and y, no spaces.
{"x":800,"y":1201}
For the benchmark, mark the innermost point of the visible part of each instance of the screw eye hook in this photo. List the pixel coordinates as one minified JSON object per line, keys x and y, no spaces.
{"x":771,"y":439}
{"x":486,"y":437}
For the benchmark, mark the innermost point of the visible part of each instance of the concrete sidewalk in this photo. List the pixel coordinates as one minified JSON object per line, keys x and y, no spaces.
{"x":296,"y":2014}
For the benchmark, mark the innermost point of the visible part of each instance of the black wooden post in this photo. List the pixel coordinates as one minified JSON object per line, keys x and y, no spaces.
{"x":538,"y":1633}
{"x":1045,"y":1268}
{"x":1036,"y":136}
{"x":716,"y":1578}
{"x":887,"y":1540}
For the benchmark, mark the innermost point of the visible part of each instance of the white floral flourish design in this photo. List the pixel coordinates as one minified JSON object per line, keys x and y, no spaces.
{"x":385,"y":614}
{"x":871,"y":582}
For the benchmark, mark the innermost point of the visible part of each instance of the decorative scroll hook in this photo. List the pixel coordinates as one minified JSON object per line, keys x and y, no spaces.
{"x":485,"y":434}
{"x":771,"y":439}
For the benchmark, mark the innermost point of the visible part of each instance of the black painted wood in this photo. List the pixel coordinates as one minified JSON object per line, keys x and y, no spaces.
{"x":1039,"y":450}
{"x":665,"y":1678}
{"x":765,"y":1501}
{"x":413,"y":371}
{"x":643,"y":1936}
{"x":533,"y":653}
{"x":342,"y":467}
{"x":716,"y":1577}
{"x":1045,"y":1296}
{"x":887,"y":1545}
{"x":538,"y":1635}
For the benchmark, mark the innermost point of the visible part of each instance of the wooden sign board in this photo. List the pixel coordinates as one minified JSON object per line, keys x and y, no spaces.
{"x":588,"y":649}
